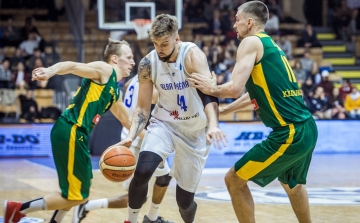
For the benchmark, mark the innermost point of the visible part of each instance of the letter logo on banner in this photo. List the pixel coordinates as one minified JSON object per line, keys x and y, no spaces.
{"x":15,"y":140}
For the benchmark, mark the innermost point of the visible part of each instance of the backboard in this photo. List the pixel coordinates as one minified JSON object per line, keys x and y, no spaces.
{"x":117,"y":14}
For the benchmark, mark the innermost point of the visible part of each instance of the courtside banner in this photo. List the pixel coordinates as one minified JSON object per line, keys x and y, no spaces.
{"x":334,"y":136}
{"x":25,"y":140}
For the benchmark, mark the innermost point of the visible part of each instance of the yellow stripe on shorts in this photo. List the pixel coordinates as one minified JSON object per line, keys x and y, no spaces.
{"x":251,"y":168}
{"x":74,"y":192}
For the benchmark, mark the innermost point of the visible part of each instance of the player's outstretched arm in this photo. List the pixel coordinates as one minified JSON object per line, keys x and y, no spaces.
{"x":94,"y":70}
{"x":143,"y":106}
{"x":236,"y":105}
{"x":246,"y":57}
{"x":119,"y":110}
{"x":196,"y":62}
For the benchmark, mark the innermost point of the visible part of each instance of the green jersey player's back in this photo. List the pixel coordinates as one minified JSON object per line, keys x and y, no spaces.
{"x":273,"y":89}
{"x":90,"y":101}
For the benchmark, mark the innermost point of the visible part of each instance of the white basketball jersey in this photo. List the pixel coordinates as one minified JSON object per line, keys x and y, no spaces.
{"x":178,"y":103}
{"x":130,"y":101}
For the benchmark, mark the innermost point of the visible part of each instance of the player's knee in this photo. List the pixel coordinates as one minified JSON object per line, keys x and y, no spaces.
{"x":184,"y":198}
{"x":229,"y":176}
{"x":163,"y":181}
{"x":147,"y":163}
{"x":141,"y":176}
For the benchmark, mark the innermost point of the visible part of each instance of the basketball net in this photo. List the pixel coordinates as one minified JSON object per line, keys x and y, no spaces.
{"x":142,"y":27}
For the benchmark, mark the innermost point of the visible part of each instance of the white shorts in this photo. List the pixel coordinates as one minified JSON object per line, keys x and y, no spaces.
{"x":190,"y":147}
{"x":161,"y":170}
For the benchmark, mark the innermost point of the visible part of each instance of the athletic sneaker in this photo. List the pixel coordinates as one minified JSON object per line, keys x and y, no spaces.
{"x":158,"y":220}
{"x":12,"y":212}
{"x":79,"y":213}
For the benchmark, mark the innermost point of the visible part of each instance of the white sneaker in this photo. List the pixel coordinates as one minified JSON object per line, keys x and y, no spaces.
{"x":79,"y":213}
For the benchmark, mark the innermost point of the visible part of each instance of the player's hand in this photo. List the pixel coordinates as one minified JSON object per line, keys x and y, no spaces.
{"x":204,"y":84}
{"x":216,"y":136}
{"x":126,"y":142}
{"x":223,"y":111}
{"x":42,"y":74}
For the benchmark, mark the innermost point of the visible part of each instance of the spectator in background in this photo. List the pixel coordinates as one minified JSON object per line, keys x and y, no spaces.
{"x":341,"y":20}
{"x":226,"y":5}
{"x":209,"y":8}
{"x":299,"y":72}
{"x":231,"y":46}
{"x":285,"y":46}
{"x":194,"y":11}
{"x":5,"y":74}
{"x":28,"y":28}
{"x":335,"y":105}
{"x":315,"y":73}
{"x":29,"y":107}
{"x":11,"y":34}
{"x":272,"y":25}
{"x":216,"y":24}
{"x":229,"y":58}
{"x":352,"y":103}
{"x":353,"y":22}
{"x":308,"y":38}
{"x":28,"y":46}
{"x":345,"y":88}
{"x":308,"y":89}
{"x":275,"y":7}
{"x":36,"y":55}
{"x":207,"y":52}
{"x":229,"y":21}
{"x":2,"y":54}
{"x":317,"y":103}
{"x":22,"y":78}
{"x":327,"y":85}
{"x":17,"y":58}
{"x":306,"y":61}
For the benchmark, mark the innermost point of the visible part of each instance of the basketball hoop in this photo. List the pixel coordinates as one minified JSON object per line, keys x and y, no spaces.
{"x":142,"y":27}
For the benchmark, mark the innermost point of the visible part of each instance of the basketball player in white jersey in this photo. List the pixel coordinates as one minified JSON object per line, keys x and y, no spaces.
{"x":184,"y":121}
{"x":161,"y":173}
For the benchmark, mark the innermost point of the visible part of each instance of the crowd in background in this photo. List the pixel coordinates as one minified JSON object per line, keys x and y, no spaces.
{"x":323,"y":99}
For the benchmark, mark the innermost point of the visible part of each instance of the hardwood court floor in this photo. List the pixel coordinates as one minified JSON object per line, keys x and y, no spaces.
{"x":22,"y":180}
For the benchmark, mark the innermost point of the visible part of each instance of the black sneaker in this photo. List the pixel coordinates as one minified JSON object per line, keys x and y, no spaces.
{"x":158,"y":220}
{"x":79,"y":213}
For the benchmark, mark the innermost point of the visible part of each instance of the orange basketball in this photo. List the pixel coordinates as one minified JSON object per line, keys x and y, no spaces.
{"x":117,"y":163}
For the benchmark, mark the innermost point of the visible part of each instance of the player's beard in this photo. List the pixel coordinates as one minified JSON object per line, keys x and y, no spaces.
{"x":167,"y":58}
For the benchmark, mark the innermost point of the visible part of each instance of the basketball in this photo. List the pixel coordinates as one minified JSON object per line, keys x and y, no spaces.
{"x":117,"y":163}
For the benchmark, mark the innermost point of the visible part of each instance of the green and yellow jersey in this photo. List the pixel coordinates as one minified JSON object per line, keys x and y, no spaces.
{"x":273,"y":89}
{"x":90,"y":101}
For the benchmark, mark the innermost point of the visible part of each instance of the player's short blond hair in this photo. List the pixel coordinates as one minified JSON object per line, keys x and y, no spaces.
{"x":113,"y":48}
{"x":257,"y":9}
{"x":163,"y":25}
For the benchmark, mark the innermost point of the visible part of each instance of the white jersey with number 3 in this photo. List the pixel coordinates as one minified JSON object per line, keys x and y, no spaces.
{"x":130,"y":101}
{"x":178,"y":103}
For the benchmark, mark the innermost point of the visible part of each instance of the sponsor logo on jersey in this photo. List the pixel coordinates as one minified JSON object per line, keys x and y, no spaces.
{"x":177,"y":117}
{"x":291,"y":93}
{"x":96,"y":119}
{"x":255,"y":104}
{"x":175,"y":86}
{"x":267,"y":195}
{"x":175,"y":114}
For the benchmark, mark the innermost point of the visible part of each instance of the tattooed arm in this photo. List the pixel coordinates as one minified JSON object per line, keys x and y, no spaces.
{"x":142,"y":111}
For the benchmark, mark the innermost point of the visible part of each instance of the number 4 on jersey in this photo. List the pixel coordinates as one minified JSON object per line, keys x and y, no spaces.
{"x":181,"y":102}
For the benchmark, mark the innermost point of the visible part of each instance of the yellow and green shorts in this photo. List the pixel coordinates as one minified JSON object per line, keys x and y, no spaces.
{"x":72,"y":159}
{"x":285,"y":154}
